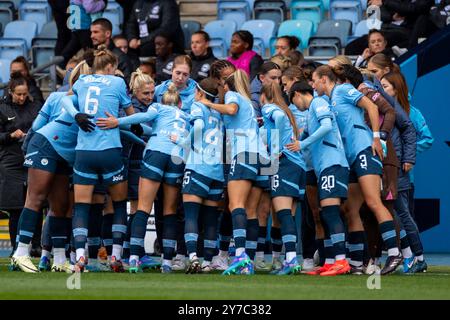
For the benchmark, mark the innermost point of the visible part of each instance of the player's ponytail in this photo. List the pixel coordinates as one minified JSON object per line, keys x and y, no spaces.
{"x":139,"y":80}
{"x":238,"y":82}
{"x":102,"y":58}
{"x":273,"y":94}
{"x":80,"y":68}
{"x":209,"y":88}
{"x":383,"y":61}
{"x":326,"y":71}
{"x":171,"y":97}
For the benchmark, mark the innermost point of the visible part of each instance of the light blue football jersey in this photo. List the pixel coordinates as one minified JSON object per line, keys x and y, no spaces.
{"x":52,"y":107}
{"x":285,"y":133}
{"x":187,"y":95}
{"x":242,"y":129}
{"x":356,"y":135}
{"x":98,"y":94}
{"x":165,"y":121}
{"x":62,"y":134}
{"x":328,"y":151}
{"x":205,"y":156}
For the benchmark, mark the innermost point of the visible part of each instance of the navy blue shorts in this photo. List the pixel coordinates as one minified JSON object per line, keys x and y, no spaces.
{"x":103,"y":167}
{"x":201,"y":186}
{"x":311,"y":178}
{"x":366,"y":163}
{"x":158,"y":166}
{"x":245,"y":166}
{"x":333,"y":183}
{"x":134,"y":172}
{"x":289,"y":181}
{"x":41,"y":155}
{"x":262,"y":182}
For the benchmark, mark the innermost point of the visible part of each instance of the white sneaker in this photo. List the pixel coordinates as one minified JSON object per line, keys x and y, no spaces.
{"x":179,"y":264}
{"x":261,"y":265}
{"x":276,"y":264}
{"x":308,"y":265}
{"x":206,"y":267}
{"x":24,"y":263}
{"x":316,"y":258}
{"x":66,"y":267}
{"x":373,"y":267}
{"x":219,"y":263}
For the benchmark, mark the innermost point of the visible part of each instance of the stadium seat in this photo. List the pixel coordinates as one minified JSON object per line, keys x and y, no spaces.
{"x":270,"y":10}
{"x":42,"y":51}
{"x":4,"y":70}
{"x":237,"y":11}
{"x":11,"y":48}
{"x":302,"y":29}
{"x":220,"y":32}
{"x":114,"y":13}
{"x":49,"y":31}
{"x":15,"y":3}
{"x":25,"y":30}
{"x":37,"y":12}
{"x":189,"y":27}
{"x":346,"y":9}
{"x":323,"y":47}
{"x":307,"y":10}
{"x":340,"y":29}
{"x":6,"y":16}
{"x":263,"y":31}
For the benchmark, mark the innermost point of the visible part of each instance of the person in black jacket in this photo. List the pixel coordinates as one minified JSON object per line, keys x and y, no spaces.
{"x":148,"y":19}
{"x":59,"y":10}
{"x":20,"y":65}
{"x":101,"y":33}
{"x":164,"y":57}
{"x":17,"y":113}
{"x":201,"y":55}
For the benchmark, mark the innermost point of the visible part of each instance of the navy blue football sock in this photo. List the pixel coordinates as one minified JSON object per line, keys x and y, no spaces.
{"x":126,"y":242}
{"x":275,"y":235}
{"x":210,"y":220}
{"x":239,"y":218}
{"x":80,"y":222}
{"x":262,"y":235}
{"x":27,"y":225}
{"x":330,"y":215}
{"x":58,"y":232}
{"x":169,"y":236}
{"x":288,"y":231}
{"x":94,"y":229}
{"x":119,"y":227}
{"x":137,"y":230}
{"x":225,"y":231}
{"x":252,"y":237}
{"x":356,"y":248}
{"x":191,"y":215}
{"x":107,"y":222}
{"x":389,"y":236}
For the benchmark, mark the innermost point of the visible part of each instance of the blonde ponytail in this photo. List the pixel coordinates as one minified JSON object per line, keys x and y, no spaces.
{"x":81,"y":68}
{"x":138,"y":80}
{"x":103,"y":57}
{"x":238,"y":82}
{"x":171,"y":97}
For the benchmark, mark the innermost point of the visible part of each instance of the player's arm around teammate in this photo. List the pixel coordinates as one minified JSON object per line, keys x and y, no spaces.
{"x":364,"y":154}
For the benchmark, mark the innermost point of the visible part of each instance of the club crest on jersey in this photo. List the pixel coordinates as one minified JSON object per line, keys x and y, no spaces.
{"x":44,"y":161}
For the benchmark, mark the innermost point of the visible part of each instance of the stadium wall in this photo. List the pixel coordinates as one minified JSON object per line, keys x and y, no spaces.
{"x":427,"y":70}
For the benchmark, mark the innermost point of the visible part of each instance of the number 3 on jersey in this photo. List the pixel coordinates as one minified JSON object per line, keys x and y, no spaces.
{"x":91,"y":104}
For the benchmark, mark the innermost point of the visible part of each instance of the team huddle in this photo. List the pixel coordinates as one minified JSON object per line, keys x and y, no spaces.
{"x":213,"y":166}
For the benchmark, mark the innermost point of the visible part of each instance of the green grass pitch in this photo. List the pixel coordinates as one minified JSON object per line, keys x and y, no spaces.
{"x":434,"y":284}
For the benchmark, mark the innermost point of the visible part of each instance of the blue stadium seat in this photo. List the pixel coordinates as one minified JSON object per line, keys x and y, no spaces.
{"x":330,"y":37}
{"x":42,"y":51}
{"x":25,"y":30}
{"x":114,"y":13}
{"x":339,"y":29}
{"x":235,"y":10}
{"x":10,"y":48}
{"x":263,"y":31}
{"x":220,"y":32}
{"x":16,"y":3}
{"x":346,"y":9}
{"x":270,"y":10}
{"x":49,"y":31}
{"x":307,"y":10}
{"x":4,"y":70}
{"x":37,"y":12}
{"x":189,"y":27}
{"x":6,"y":16}
{"x":302,"y":29}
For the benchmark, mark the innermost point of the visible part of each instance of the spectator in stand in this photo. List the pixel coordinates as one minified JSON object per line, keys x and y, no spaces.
{"x":21,"y":66}
{"x":286,"y":44}
{"x":127,"y":6}
{"x":150,"y":18}
{"x":17,"y":113}
{"x":376,"y":44}
{"x":59,"y":11}
{"x":149,"y":67}
{"x":201,"y":55}
{"x":121,"y":42}
{"x":101,"y":32}
{"x":242,"y":55}
{"x":82,"y":14}
{"x":164,"y":57}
